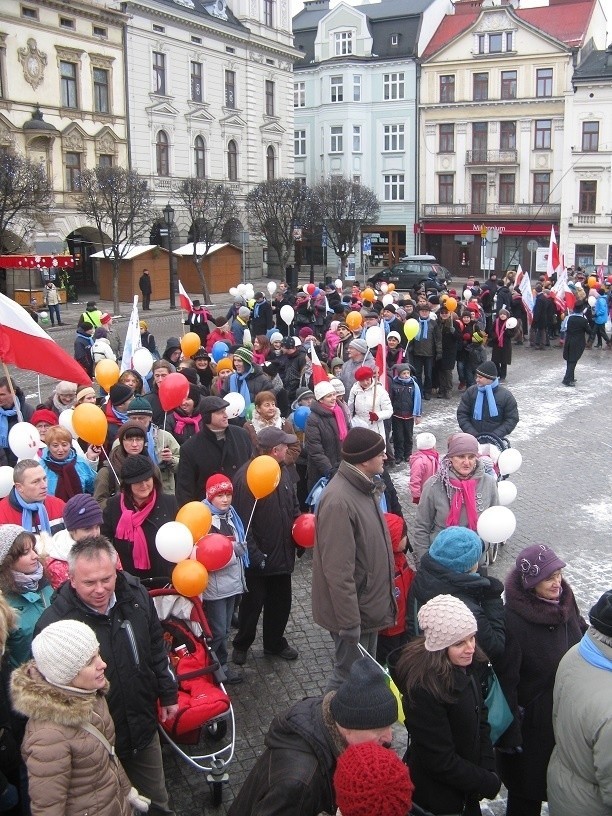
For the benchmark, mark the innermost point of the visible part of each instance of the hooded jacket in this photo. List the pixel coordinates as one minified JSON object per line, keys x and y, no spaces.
{"x":321,"y":442}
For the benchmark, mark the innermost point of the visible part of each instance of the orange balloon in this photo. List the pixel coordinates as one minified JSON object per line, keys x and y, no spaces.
{"x":451,"y":304}
{"x":592,"y":282}
{"x":353,"y":320}
{"x":190,"y":343}
{"x":190,"y":578}
{"x":107,"y":373}
{"x":391,"y":287}
{"x":368,"y":294}
{"x":263,"y":475}
{"x":197,"y":517}
{"x":90,"y":422}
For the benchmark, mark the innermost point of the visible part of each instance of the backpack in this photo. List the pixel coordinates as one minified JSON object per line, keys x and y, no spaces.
{"x":403,"y":578}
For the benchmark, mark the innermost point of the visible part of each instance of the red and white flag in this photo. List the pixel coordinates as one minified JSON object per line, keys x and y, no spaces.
{"x":600,"y":273}
{"x":552,"y":262}
{"x":381,"y":356}
{"x":25,"y":344}
{"x":184,"y":298}
{"x":318,"y":372}
{"x":523,"y":284}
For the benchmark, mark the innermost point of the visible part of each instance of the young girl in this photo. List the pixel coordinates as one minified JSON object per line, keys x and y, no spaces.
{"x":423,"y":464}
{"x":225,"y":369}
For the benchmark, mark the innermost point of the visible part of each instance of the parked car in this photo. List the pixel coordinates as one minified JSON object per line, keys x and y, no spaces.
{"x":412,"y":272}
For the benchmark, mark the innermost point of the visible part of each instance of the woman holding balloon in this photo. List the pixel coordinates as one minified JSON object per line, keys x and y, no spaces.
{"x":267,"y":415}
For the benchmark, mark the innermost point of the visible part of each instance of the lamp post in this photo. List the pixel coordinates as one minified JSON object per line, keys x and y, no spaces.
{"x":169,"y":219}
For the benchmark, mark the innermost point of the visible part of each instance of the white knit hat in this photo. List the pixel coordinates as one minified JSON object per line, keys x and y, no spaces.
{"x":322,"y":389}
{"x":62,"y":649}
{"x":8,"y":534}
{"x":338,"y":386}
{"x":425,"y":441}
{"x":445,"y":620}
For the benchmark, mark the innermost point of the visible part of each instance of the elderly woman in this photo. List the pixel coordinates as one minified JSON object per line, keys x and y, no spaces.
{"x":326,"y":428}
{"x":43,"y":419}
{"x":267,"y":415}
{"x":456,"y":496}
{"x":542,"y":623}
{"x":62,"y":397}
{"x":68,"y":472}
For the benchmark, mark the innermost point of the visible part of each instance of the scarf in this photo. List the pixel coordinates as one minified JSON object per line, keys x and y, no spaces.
{"x":238,"y":385}
{"x":129,"y":528}
{"x":416,"y":402}
{"x":491,"y":405}
{"x":151,"y":449}
{"x":27,"y":515}
{"x":423,"y":329}
{"x":5,"y":413}
{"x":256,"y":310}
{"x":181,"y":421}
{"x":259,"y":423}
{"x":234,"y":520}
{"x":68,"y":481}
{"x":499,"y":328}
{"x":28,"y":582}
{"x":120,"y":416}
{"x":340,"y":418}
{"x":464,"y":495}
{"x":591,"y":653}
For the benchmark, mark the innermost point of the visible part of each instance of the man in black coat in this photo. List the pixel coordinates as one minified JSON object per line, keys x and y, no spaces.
{"x":261,"y":318}
{"x":576,"y":331}
{"x":537,"y":332}
{"x":144,"y":284}
{"x":487,"y":406}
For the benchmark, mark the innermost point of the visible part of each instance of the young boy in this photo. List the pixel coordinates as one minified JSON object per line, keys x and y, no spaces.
{"x":406,"y":401}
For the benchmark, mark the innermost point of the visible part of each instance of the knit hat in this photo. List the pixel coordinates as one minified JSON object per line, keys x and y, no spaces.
{"x":244,"y":354}
{"x":8,"y":534}
{"x":363,"y":373}
{"x":100,"y":332}
{"x":201,"y":354}
{"x":136,"y":469}
{"x":399,"y":367}
{"x":364,"y":701}
{"x":106,"y":318}
{"x":225,"y":364}
{"x":216,"y":484}
{"x":445,"y":620}
{"x":487,"y":369}
{"x":244,"y":312}
{"x":131,"y":429}
{"x":389,"y":308}
{"x":305,"y":332}
{"x":339,"y":387}
{"x":139,"y":405}
{"x":172,"y":344}
{"x":601,"y":614}
{"x":397,"y":530}
{"x":191,"y":375}
{"x":371,"y":779}
{"x":120,"y":393}
{"x":62,"y":649}
{"x":456,"y":548}
{"x":322,"y":389}
{"x":44,"y":415}
{"x":361,"y":445}
{"x":65,"y":388}
{"x":537,"y":563}
{"x":425,"y":441}
{"x":336,"y":361}
{"x":300,"y":394}
{"x":276,"y":337}
{"x":82,"y":393}
{"x":144,"y":326}
{"x":462,"y":443}
{"x":81,"y":511}
{"x":395,"y":335}
{"x":359,"y":345}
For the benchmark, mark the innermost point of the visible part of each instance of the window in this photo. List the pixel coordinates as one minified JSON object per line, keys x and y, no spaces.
{"x":159,"y":29}
{"x":544,"y":82}
{"x":356,"y":138}
{"x":394,"y":187}
{"x":506,"y":188}
{"x":587,"y":200}
{"x":393,"y":86}
{"x":197,"y":94}
{"x":541,"y":188}
{"x":230,"y":49}
{"x":335,"y":144}
{"x":447,"y":138}
{"x":480,"y":138}
{"x":507,"y":135}
{"x":29,"y":13}
{"x":394,"y":138}
{"x":73,"y":171}
{"x":299,"y":142}
{"x":100,"y":31}
{"x":447,"y":88}
{"x":105,"y":160}
{"x":68,"y":73}
{"x":270,"y":163}
{"x":232,"y":161}
{"x":159,"y":72}
{"x":336,"y":91}
{"x":508,"y":85}
{"x":230,"y":90}
{"x":590,"y":136}
{"x":268,"y":9}
{"x":269,"y":97}
{"x":100,"y":89}
{"x":394,"y":39}
{"x":162,"y":154}
{"x":495,"y":43}
{"x":509,"y":45}
{"x":357,"y":88}
{"x":196,"y":40}
{"x":299,"y":94}
{"x":343,"y":43}
{"x":446,"y":185}
{"x":479,"y":193}
{"x":481,"y":87}
{"x":543,"y":130}
{"x":67,"y":22}
{"x":199,"y":155}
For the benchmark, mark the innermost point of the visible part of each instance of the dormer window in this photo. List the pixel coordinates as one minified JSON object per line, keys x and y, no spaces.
{"x":343,"y":43}
{"x":497,"y":42}
{"x":395,"y":39}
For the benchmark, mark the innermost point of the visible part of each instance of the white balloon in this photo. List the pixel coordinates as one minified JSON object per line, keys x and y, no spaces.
{"x":507,"y":492}
{"x":65,"y":420}
{"x":467,"y":294}
{"x":236,"y":405}
{"x":246,"y":336}
{"x":384,"y":288}
{"x":592,"y":300}
{"x":496,"y":524}
{"x":433,"y":316}
{"x":287,"y":314}
{"x":24,"y":440}
{"x":511,"y":323}
{"x":241,"y":288}
{"x":373,"y":337}
{"x":338,"y":283}
{"x":142,"y":361}
{"x":272,"y":287}
{"x":305,"y":288}
{"x":297,"y":340}
{"x":174,"y":541}
{"x":43,"y":315}
{"x":6,"y":480}
{"x":509,"y":461}
{"x":492,"y":451}
{"x":233,"y":291}
{"x":387,"y":299}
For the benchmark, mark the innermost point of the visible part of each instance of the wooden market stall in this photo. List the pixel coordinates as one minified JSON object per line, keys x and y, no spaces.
{"x":221,"y":264}
{"x":151,"y":257}
{"x":26,"y":276}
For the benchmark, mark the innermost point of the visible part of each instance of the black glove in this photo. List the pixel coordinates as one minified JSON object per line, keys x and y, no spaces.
{"x":494,"y":590}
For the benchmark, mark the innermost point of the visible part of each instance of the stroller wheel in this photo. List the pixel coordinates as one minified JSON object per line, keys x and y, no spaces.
{"x":216,"y":730}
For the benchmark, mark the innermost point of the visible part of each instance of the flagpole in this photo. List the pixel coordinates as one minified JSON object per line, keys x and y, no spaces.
{"x":12,"y":390}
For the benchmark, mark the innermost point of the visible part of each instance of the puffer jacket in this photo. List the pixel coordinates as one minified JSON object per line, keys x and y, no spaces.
{"x":374,"y":398}
{"x":321,"y":442}
{"x":503,"y":424}
{"x":70,"y":772}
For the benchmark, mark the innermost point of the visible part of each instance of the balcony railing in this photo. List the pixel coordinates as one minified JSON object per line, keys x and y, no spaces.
{"x":591,"y":219}
{"x":543,"y":211}
{"x":491,"y":157}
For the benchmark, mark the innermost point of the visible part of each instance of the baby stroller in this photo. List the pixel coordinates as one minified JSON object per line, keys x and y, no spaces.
{"x":205,"y":710}
{"x":489,"y":441}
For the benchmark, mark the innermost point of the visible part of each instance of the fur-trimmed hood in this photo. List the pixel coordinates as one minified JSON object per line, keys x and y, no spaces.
{"x":527,"y":605}
{"x":34,"y":697}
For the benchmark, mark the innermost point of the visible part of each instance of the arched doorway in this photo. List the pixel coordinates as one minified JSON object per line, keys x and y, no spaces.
{"x":232,"y":232}
{"x":82,"y":243}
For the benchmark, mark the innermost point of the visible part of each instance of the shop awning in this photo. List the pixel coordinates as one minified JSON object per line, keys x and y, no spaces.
{"x":36,"y":261}
{"x":516,"y":228}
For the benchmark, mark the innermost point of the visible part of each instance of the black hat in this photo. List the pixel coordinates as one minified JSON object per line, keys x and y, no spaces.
{"x":288,"y":343}
{"x":195,"y":302}
{"x":389,"y":308}
{"x":136,"y":468}
{"x":364,"y":701}
{"x":191,"y":375}
{"x":487,"y":369}
{"x":201,"y":354}
{"x":601,"y":614}
{"x":268,"y":438}
{"x":91,"y":304}
{"x":209,"y":405}
{"x":120,"y":393}
{"x":361,"y":445}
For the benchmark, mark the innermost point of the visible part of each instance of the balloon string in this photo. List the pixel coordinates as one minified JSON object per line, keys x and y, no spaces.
{"x":250,"y":519}
{"x":110,"y":465}
{"x":165,"y":418}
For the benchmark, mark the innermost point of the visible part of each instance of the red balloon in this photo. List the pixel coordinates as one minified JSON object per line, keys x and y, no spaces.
{"x":214,"y":551}
{"x":173,"y":389}
{"x":311,"y":288}
{"x":303,"y":530}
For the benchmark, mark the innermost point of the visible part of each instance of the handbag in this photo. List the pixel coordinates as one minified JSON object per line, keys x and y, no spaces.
{"x":499,"y":714}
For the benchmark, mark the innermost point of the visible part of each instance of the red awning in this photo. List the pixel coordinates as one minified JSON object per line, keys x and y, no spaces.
{"x":36,"y":261}
{"x":515,"y":228}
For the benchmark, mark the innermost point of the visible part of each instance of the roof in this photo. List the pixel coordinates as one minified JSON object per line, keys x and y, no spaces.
{"x":598,"y":65}
{"x":198,"y":9}
{"x":132,"y":252}
{"x":188,"y":249}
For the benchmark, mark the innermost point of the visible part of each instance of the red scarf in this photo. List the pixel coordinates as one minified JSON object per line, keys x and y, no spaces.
{"x":181,"y":421}
{"x":68,"y":482}
{"x":500,"y":328}
{"x":129,"y":528}
{"x":464,"y":496}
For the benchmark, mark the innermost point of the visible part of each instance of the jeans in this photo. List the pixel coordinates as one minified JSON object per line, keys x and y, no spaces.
{"x":402,"y":438}
{"x":54,"y":314}
{"x":145,"y":771}
{"x":272,"y":594}
{"x":465,"y":372}
{"x":346,"y":653}
{"x":219,"y":616}
{"x":423,"y":366}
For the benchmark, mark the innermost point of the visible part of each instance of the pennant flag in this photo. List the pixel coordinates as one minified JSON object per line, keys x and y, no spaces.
{"x":25,"y":344}
{"x":381,"y":356}
{"x":186,"y":304}
{"x":600,"y":273}
{"x":523,"y":283}
{"x":132,"y":337}
{"x":318,"y":372}
{"x":552,"y":262}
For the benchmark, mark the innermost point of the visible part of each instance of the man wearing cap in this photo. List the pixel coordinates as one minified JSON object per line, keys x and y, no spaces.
{"x":28,"y":504}
{"x":217,"y":448}
{"x":487,"y":407}
{"x":119,"y":397}
{"x":358,"y":356}
{"x":197,"y":320}
{"x":240,"y":323}
{"x":144,"y":284}
{"x":262,"y":319}
{"x":353,"y":567}
{"x":294,"y":774}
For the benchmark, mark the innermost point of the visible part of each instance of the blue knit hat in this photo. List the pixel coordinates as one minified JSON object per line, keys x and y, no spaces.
{"x":456,"y":548}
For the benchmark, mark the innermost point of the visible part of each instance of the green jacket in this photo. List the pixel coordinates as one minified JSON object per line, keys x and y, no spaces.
{"x":29,"y":607}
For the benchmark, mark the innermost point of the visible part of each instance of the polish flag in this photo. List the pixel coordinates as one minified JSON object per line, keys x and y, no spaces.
{"x":318,"y":372}
{"x":523,"y":284}
{"x":552,"y":262}
{"x":186,"y":303}
{"x":28,"y":346}
{"x":381,"y":356}
{"x":600,"y":273}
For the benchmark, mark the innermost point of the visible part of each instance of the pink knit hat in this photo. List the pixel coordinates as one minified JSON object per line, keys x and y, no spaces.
{"x":445,"y":620}
{"x":462,"y":443}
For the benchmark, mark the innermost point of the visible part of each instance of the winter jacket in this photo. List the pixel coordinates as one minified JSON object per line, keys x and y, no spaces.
{"x":373,"y":399}
{"x":261,"y":318}
{"x":347,"y":375}
{"x":70,"y":772}
{"x":481,"y":595}
{"x":402,"y":397}
{"x":538,"y":634}
{"x":501,"y":354}
{"x":256,"y":381}
{"x":102,"y":350}
{"x":580,"y":769}
{"x":503,"y":424}
{"x":353,"y":567}
{"x":218,"y":335}
{"x":576,"y":331}
{"x":29,"y":607}
{"x":106,"y":485}
{"x":291,"y":371}
{"x":114,"y":425}
{"x":539,"y":312}
{"x":321,"y":442}
{"x":502,"y":299}
{"x":11,"y":513}
{"x":450,"y":332}
{"x":51,"y":295}
{"x":197,"y":320}
{"x":237,"y":328}
{"x":423,"y":465}
{"x":132,"y":646}
{"x":431,"y":346}
{"x":228,"y":581}
{"x":86,"y":471}
{"x":82,"y":351}
{"x":601,"y":311}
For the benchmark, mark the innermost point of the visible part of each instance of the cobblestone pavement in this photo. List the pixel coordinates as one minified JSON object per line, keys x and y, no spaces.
{"x":563,"y":500}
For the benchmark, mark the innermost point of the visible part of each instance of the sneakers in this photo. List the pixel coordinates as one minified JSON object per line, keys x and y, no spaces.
{"x":239,"y":657}
{"x":288,"y":653}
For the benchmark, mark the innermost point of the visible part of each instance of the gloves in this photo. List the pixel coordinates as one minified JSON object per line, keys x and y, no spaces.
{"x":511,"y":751}
{"x":494,"y":590}
{"x":373,"y":417}
{"x":352,"y":635}
{"x":137,"y":801}
{"x":491,"y":786}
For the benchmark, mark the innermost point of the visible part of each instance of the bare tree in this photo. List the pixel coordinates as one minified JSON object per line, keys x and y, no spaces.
{"x":209,"y":206}
{"x":25,"y":193}
{"x":274,"y":208}
{"x":119,"y":202}
{"x":344,"y":206}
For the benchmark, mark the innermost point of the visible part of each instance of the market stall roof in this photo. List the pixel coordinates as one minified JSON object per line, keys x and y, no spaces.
{"x":130,"y":252}
{"x":200,"y":249}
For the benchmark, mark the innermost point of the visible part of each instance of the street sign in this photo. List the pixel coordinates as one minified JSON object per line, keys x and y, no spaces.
{"x":367,"y":246}
{"x":532,"y":246}
{"x":492,"y":235}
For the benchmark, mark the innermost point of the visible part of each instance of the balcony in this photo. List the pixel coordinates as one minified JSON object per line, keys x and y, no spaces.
{"x":491,"y":157}
{"x":590,"y":220}
{"x":546,"y":212}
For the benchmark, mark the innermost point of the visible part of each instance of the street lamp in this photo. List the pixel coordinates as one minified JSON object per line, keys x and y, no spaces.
{"x":169,"y":219}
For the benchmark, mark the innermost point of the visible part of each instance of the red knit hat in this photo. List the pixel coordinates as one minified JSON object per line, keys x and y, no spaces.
{"x":363,"y":373}
{"x":44,"y":415}
{"x":216,"y":484}
{"x":372,"y":779}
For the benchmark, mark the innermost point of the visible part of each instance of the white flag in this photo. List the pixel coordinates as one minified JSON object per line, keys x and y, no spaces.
{"x":524,"y":286}
{"x":132,"y":338}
